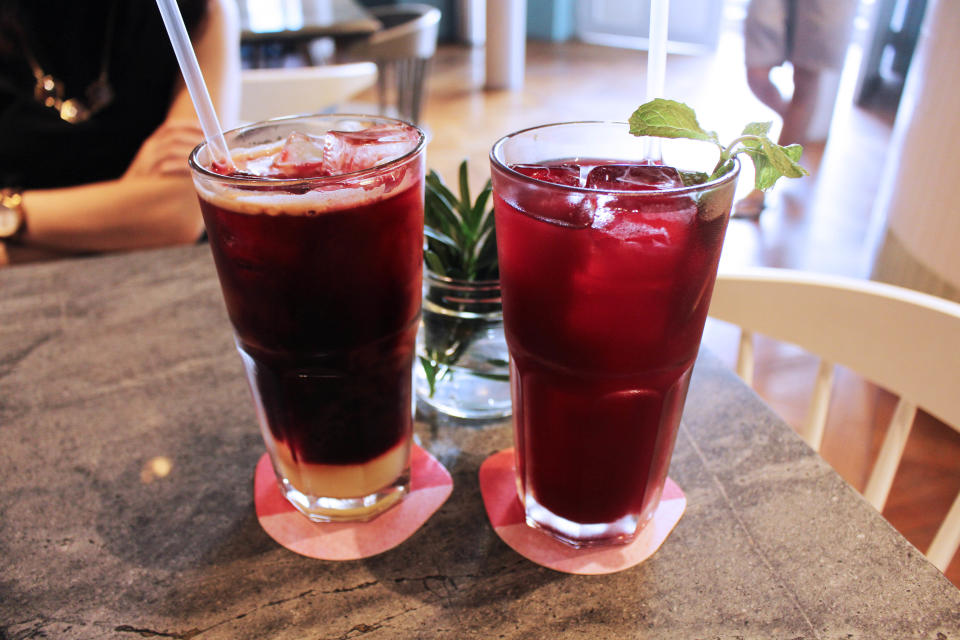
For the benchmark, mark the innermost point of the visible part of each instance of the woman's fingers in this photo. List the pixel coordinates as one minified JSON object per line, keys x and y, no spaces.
{"x":166,"y":151}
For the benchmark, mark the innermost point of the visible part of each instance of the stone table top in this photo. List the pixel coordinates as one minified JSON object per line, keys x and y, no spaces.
{"x":107,"y":363}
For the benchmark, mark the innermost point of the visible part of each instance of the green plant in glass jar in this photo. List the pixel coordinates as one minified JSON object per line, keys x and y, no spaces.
{"x":462,"y":354}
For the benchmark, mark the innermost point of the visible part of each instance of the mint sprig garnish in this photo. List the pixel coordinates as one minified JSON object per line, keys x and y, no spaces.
{"x":671,"y":119}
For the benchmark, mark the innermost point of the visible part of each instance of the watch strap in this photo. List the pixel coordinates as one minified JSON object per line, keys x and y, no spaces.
{"x":12,"y":199}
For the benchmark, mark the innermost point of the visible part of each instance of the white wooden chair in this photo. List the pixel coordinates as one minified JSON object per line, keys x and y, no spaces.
{"x":904,"y":341}
{"x":270,"y":93}
{"x":402,"y":51}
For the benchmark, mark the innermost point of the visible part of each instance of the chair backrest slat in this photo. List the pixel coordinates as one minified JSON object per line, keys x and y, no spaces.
{"x":891,"y":452}
{"x":947,"y":539}
{"x":816,"y":420}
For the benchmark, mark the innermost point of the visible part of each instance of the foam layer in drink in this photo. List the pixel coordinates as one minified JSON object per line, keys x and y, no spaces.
{"x":307,"y":174}
{"x":322,"y":198}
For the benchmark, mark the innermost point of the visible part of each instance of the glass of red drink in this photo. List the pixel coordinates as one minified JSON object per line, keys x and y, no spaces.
{"x":607,"y":265}
{"x":317,"y":236}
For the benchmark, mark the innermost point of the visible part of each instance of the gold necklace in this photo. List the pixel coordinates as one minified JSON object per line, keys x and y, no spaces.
{"x":49,"y":91}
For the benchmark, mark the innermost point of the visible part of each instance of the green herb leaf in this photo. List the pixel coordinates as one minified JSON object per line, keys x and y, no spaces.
{"x":668,"y":119}
{"x":465,"y":209}
{"x":430,"y":370}
{"x":480,"y":209}
{"x":497,"y":377}
{"x":434,"y":262}
{"x":439,"y":236}
{"x":692,"y":178}
{"x":439,"y":212}
{"x":757,"y":129}
{"x":459,"y":233}
{"x":784,"y":159}
{"x":771,"y":162}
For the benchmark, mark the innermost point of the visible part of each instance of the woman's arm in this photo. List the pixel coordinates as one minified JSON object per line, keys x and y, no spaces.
{"x":153,"y":203}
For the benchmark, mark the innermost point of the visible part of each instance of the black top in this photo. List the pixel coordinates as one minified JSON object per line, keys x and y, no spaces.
{"x":69,"y":41}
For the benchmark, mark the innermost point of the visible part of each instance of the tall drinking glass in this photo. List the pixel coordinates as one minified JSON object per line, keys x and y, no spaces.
{"x":607,"y":264}
{"x":317,"y":239}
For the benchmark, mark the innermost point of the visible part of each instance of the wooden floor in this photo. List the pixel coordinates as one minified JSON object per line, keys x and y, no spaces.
{"x":822,"y":223}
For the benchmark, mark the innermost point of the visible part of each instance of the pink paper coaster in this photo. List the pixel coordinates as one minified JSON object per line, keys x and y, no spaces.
{"x":430,"y":486}
{"x":499,"y":488}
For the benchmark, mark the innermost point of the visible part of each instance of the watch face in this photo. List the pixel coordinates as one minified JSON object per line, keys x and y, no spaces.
{"x":9,"y":222}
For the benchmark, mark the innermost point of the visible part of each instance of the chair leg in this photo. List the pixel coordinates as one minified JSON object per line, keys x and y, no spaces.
{"x":403,"y":89}
{"x":416,"y":97}
{"x":383,"y":72}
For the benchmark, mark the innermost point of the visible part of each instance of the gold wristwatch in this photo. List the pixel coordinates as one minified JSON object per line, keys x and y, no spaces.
{"x":12,"y":220}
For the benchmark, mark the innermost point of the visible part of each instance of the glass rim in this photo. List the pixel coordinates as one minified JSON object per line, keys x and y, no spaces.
{"x":284,"y":182}
{"x":710,"y":184}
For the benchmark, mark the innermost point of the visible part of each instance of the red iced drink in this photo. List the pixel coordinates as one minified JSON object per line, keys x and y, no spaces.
{"x":606,"y":267}
{"x":317,"y":237}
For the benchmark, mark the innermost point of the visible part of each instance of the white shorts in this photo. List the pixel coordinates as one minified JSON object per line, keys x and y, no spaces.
{"x":812,"y":34}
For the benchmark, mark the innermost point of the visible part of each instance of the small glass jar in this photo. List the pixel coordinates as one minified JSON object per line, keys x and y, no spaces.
{"x":462,"y":366}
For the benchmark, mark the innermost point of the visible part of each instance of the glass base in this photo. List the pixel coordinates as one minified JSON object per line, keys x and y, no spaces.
{"x":577,"y":535}
{"x":319,"y":509}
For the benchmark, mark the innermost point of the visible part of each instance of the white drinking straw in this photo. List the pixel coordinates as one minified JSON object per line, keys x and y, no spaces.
{"x":657,"y":61}
{"x":193,"y":77}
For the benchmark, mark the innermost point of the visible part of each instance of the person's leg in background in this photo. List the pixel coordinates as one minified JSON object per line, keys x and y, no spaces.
{"x":813,"y":36}
{"x":766,"y":42}
{"x":798,"y":113}
{"x":763,"y":88}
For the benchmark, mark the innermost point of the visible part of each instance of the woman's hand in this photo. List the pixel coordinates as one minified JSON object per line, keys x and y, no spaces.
{"x":166,"y":151}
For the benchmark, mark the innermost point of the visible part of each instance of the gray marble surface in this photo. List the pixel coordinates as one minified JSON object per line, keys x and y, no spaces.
{"x":107,"y":363}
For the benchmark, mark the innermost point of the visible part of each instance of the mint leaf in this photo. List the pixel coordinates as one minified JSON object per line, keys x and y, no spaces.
{"x":784,"y":159}
{"x":668,"y":119}
{"x":757,"y":129}
{"x":772,"y":162}
{"x":692,"y":178}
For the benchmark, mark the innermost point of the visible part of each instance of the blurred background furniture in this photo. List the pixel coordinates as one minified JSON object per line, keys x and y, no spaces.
{"x":905,"y":341}
{"x":505,"y":55}
{"x":894,"y":32}
{"x":916,"y":205}
{"x":269,"y":93}
{"x":694,"y":27}
{"x":402,"y":51}
{"x":273,"y":29}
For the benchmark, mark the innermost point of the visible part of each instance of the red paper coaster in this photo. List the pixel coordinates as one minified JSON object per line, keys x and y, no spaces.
{"x":499,"y":488}
{"x":430,"y":486}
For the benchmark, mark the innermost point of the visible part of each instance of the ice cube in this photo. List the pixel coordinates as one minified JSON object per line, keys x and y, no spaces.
{"x":347,"y":151}
{"x":567,"y":174}
{"x":658,"y":224}
{"x":633,"y":177}
{"x":300,"y":157}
